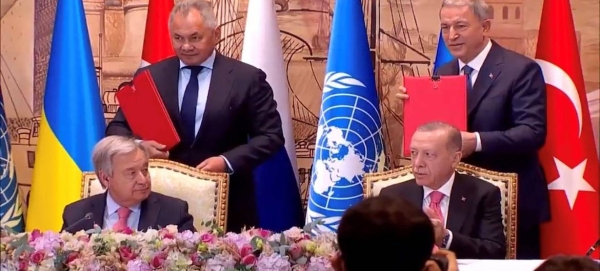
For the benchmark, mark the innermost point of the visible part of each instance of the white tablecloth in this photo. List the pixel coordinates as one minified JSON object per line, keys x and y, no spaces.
{"x":498,"y":265}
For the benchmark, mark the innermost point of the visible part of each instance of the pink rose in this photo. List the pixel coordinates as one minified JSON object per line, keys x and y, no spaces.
{"x":127,"y":231}
{"x":37,"y":257}
{"x":249,"y":259}
{"x":83,"y":238}
{"x":207,"y":238}
{"x":260,"y":232}
{"x":246,"y":250}
{"x":295,"y":252}
{"x":126,"y":253}
{"x":71,"y":257}
{"x":195,"y":259}
{"x":23,"y":265}
{"x":35,"y":234}
{"x":158,"y":260}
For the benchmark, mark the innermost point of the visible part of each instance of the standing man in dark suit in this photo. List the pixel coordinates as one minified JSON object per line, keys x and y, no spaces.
{"x":121,"y":165}
{"x":225,"y":115}
{"x":466,"y":211}
{"x":506,"y":105}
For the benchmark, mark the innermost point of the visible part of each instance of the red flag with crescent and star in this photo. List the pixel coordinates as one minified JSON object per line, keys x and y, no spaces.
{"x":569,"y":156}
{"x":157,"y":41}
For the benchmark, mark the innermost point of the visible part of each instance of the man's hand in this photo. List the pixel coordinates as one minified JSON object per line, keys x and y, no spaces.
{"x":438,"y":226}
{"x":155,"y":149}
{"x":213,"y":164}
{"x":401,"y":95}
{"x":449,"y":256}
{"x":469,"y":143}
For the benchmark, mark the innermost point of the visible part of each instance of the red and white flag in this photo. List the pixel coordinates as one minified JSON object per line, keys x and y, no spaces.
{"x":157,"y":41}
{"x":569,"y":156}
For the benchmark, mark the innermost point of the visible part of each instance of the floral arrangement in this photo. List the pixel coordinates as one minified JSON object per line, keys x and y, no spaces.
{"x":167,"y":249}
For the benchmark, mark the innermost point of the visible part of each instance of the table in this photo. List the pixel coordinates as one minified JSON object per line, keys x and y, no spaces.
{"x":498,"y":265}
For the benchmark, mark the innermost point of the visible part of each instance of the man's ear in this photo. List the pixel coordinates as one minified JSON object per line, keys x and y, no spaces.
{"x":103,"y":178}
{"x":456,"y":158}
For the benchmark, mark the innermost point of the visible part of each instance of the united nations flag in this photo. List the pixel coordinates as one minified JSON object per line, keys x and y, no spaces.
{"x":349,"y":141}
{"x":11,"y":212}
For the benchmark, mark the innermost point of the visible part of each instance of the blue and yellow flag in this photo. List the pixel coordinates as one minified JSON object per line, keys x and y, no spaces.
{"x":11,"y":211}
{"x":349,"y":140}
{"x":442,"y":55}
{"x":72,"y":120}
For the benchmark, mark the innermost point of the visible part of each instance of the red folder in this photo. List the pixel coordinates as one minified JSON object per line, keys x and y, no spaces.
{"x":438,"y":98}
{"x":145,"y":112}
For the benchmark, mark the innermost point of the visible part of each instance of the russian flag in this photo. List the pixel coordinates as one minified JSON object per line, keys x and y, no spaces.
{"x":277,"y":186}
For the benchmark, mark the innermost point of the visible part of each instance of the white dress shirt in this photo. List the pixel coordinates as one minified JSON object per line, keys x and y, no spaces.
{"x":111,"y":216}
{"x":446,"y":189}
{"x":476,"y":64}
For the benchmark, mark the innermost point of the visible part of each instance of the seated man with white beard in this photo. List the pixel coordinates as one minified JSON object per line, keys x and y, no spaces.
{"x":122,"y":167}
{"x":465,"y":211}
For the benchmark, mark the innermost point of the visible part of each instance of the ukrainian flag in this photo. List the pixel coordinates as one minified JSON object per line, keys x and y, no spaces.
{"x":72,"y":120}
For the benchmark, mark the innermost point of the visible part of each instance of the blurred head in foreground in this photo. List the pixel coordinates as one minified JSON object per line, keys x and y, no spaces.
{"x":382,"y":232}
{"x":121,"y":165}
{"x":568,"y":263}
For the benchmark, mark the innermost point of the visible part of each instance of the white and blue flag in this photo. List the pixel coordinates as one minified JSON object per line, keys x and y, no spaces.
{"x":349,"y":139}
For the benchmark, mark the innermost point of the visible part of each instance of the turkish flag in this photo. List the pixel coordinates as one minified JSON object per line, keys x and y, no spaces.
{"x":157,"y":41}
{"x":569,"y":156}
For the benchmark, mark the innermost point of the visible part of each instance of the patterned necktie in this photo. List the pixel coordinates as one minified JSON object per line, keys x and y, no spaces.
{"x":188,"y":106}
{"x":467,"y":70}
{"x":122,"y":222}
{"x":436,"y":197}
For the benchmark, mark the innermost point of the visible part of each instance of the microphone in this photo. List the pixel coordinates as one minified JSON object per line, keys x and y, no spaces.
{"x":592,"y":248}
{"x":86,"y":217}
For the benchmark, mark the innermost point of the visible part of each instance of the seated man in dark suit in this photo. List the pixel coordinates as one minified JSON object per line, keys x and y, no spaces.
{"x":465,"y":211}
{"x":122,"y":167}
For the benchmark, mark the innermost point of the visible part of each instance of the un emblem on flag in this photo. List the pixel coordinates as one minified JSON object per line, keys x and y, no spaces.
{"x":349,"y":144}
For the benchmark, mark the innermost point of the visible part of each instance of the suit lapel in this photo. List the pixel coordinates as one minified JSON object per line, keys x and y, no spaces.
{"x":149,"y":213}
{"x":98,"y":206}
{"x":166,"y":81}
{"x":459,"y":204}
{"x":490,"y":70}
{"x":220,"y":88}
{"x":415,"y":194}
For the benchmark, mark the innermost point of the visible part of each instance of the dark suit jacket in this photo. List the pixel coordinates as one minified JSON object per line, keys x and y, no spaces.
{"x":157,"y":211}
{"x":240,"y":122}
{"x":474,"y":215}
{"x":507,"y":107}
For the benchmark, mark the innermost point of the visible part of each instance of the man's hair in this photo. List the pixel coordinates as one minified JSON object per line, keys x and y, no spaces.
{"x":183,"y":7}
{"x":381,"y":232}
{"x":568,"y":263}
{"x":108,"y":148}
{"x":479,"y":7}
{"x":454,"y":139}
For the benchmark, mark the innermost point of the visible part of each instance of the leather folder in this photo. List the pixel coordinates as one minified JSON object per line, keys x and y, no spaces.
{"x":436,"y":98}
{"x":145,"y":112}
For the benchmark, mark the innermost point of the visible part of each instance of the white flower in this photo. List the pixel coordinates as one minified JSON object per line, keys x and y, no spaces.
{"x":172,"y":229}
{"x":294,"y":233}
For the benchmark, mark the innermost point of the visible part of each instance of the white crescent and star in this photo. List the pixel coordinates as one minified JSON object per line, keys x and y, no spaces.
{"x":570,"y":180}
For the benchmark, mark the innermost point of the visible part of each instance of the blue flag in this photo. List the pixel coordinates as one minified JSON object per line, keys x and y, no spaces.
{"x":442,"y":55}
{"x":11,"y":212}
{"x":349,"y":140}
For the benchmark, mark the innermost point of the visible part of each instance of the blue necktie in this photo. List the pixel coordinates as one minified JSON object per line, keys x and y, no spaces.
{"x":467,"y":71}
{"x":188,"y":105}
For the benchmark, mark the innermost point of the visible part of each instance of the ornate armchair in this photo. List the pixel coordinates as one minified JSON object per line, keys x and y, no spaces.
{"x":507,"y":182}
{"x":206,"y":193}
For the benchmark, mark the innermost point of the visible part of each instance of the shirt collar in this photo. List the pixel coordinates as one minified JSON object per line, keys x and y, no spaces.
{"x":477,"y":62}
{"x":208,"y":63}
{"x":112,"y":206}
{"x":445,"y":189}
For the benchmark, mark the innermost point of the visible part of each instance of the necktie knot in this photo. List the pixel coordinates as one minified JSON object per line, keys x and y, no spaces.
{"x":436,"y":197}
{"x":467,"y":70}
{"x":123,"y":212}
{"x":194,"y":69}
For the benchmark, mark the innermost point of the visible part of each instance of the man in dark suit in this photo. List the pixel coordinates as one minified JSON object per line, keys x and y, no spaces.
{"x":122,"y":167}
{"x":506,"y":105}
{"x":466,"y":211}
{"x":226,"y":115}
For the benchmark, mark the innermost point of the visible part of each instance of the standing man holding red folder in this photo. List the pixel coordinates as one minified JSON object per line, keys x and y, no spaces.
{"x":506,"y":106}
{"x":223,"y":109}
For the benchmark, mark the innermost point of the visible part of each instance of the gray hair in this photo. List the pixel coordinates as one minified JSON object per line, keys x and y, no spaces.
{"x":479,"y":7}
{"x":183,"y":7}
{"x":454,"y":140}
{"x":109,"y":147}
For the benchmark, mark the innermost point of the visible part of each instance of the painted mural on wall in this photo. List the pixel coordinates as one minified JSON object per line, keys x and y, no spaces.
{"x":403,"y":38}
